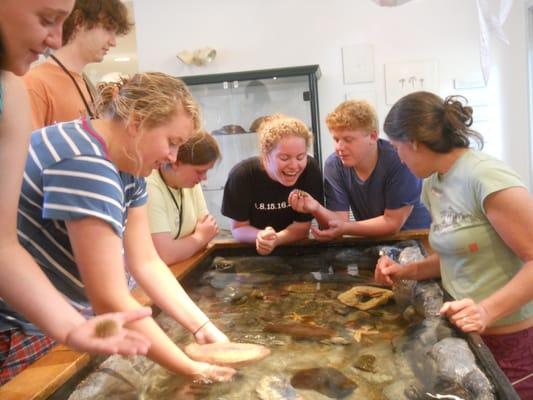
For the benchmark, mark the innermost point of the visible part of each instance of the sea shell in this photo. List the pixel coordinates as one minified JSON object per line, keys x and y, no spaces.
{"x":365,"y":297}
{"x":106,"y":328}
{"x":228,"y":354}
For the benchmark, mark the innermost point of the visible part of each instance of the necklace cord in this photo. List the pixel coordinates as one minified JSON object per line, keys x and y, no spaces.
{"x":87,"y":107}
{"x":180,"y":209}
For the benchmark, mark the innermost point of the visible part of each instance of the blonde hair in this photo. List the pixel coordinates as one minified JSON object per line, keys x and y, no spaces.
{"x":352,"y":115}
{"x":279,"y":126}
{"x":150,"y":99}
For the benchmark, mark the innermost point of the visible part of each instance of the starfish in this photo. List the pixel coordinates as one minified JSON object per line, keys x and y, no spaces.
{"x":365,"y":330}
{"x":295,"y":316}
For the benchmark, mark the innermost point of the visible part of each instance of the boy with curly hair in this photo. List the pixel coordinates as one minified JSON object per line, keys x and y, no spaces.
{"x":58,"y":89}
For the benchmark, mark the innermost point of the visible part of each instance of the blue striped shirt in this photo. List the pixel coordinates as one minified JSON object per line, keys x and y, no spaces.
{"x":68,"y":176}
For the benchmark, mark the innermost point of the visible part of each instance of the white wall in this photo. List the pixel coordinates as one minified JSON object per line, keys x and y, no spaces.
{"x":257,"y":34}
{"x":508,"y":87}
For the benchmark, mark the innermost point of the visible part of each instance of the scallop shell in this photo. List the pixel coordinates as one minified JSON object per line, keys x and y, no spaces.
{"x":227,"y":354}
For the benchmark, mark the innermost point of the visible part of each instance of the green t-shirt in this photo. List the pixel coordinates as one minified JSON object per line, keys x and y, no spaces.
{"x":474,"y":260}
{"x":163,"y":213}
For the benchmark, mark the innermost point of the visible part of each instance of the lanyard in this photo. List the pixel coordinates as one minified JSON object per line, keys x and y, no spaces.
{"x":180,"y":209}
{"x":87,"y":107}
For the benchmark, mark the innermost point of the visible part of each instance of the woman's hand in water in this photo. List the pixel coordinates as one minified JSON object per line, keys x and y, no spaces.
{"x":386,"y":271}
{"x":209,"y":333}
{"x":210,"y":373}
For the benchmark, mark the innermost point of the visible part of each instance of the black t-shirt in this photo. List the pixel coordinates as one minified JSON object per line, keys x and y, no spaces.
{"x":251,"y":195}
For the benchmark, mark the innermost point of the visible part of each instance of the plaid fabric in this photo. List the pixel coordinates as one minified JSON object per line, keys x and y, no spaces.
{"x":18,"y":350}
{"x":514,"y":354}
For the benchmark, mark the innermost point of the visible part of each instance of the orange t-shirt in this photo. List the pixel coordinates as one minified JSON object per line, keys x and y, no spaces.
{"x":53,"y":96}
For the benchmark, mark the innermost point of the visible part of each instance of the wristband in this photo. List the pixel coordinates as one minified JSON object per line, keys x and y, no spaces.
{"x":200,"y":327}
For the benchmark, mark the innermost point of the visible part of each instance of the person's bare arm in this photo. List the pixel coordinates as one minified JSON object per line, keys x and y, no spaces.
{"x":304,"y":203}
{"x":294,"y":232}
{"x":243,"y":231}
{"x":174,"y":250}
{"x":97,"y":250}
{"x":387,"y":271}
{"x":389,"y":223}
{"x":510,"y":212}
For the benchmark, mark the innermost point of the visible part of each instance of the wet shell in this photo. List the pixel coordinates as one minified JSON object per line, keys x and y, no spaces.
{"x":366,"y":362}
{"x":227,"y":354}
{"x":105,"y":328}
{"x":365,"y":297}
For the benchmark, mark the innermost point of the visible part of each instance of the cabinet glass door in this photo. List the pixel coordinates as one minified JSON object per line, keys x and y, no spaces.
{"x":232,"y":109}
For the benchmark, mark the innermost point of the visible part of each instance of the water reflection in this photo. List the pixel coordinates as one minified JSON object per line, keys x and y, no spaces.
{"x":320,"y":347}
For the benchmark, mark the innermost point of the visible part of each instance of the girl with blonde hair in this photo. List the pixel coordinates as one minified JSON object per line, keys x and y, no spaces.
{"x":256,"y":194}
{"x":82,"y":212}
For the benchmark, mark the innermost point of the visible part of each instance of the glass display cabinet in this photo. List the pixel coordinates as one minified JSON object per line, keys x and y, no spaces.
{"x":232,"y":105}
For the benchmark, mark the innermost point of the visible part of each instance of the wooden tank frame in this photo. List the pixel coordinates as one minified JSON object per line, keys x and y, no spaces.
{"x":48,"y":374}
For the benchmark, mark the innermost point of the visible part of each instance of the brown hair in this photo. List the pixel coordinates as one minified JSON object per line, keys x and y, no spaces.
{"x":441,"y":125}
{"x":352,"y":115}
{"x":111,"y":14}
{"x":278,"y":126}
{"x":200,"y":149}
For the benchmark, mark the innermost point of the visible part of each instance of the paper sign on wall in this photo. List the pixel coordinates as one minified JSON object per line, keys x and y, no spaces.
{"x":358,"y":63}
{"x":404,"y":78}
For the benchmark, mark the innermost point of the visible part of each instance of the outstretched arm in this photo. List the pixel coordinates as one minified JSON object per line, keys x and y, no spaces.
{"x":389,"y":223}
{"x":387,"y":271}
{"x":304,"y":203}
{"x":97,"y":251}
{"x":334,"y":224}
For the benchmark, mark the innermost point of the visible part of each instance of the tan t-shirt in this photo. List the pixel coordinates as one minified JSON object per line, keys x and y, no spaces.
{"x":163,"y":213}
{"x":53,"y":96}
